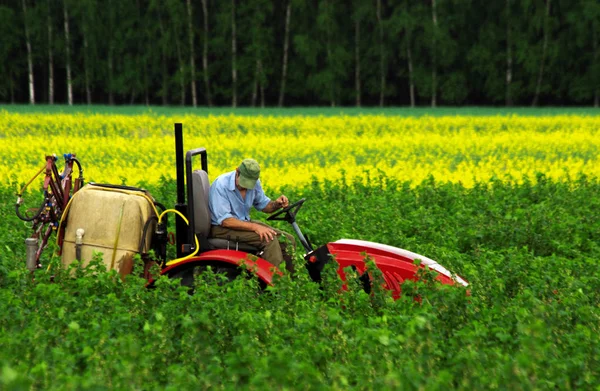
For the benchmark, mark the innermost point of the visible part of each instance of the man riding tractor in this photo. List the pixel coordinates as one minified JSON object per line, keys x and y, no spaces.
{"x":230,"y":199}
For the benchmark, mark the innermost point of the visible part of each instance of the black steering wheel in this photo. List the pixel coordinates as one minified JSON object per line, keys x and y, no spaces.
{"x":290,"y":212}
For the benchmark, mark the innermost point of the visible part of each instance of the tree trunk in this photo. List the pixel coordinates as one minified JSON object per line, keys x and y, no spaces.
{"x":330,"y":60}
{"x":111,"y":97}
{"x":509,"y":59}
{"x":86,"y":65}
{"x":434,"y":56}
{"x":330,"y":66}
{"x":357,"y":61}
{"x":12,"y":89}
{"x":255,"y":86}
{"x":181,"y":72}
{"x":261,"y":85}
{"x":381,"y":57}
{"x":164,"y":69}
{"x":50,"y":58}
{"x":68,"y":54}
{"x":192,"y":55}
{"x":411,"y":83}
{"x":595,"y":61}
{"x":146,"y":65}
{"x":205,"y":55}
{"x":29,"y":56}
{"x":538,"y":85}
{"x":111,"y":25}
{"x":233,"y":57}
{"x":88,"y":90}
{"x":165,"y":82}
{"x":258,"y":85}
{"x":286,"y":47}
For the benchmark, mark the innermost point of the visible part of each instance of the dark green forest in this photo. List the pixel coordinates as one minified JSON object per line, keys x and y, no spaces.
{"x":257,"y":53}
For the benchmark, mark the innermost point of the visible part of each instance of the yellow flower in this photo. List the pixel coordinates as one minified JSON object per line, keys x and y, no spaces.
{"x":297,"y":149}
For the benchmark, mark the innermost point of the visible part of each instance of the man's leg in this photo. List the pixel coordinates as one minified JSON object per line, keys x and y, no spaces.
{"x":271,"y":249}
{"x":287,"y":255}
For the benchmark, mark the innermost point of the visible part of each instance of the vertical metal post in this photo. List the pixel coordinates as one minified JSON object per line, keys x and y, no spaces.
{"x":180,"y":226}
{"x":32,"y":247}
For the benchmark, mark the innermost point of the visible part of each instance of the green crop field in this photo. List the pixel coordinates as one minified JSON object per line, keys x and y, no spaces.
{"x":530,"y":318}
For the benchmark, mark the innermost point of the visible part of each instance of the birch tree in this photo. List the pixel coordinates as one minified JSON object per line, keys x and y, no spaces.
{"x":540,"y":77}
{"x":192,"y":54}
{"x":111,"y":51}
{"x":205,"y":54}
{"x":176,"y":14}
{"x":233,"y":56}
{"x":68,"y":54}
{"x":402,"y":26}
{"x":29,"y":54}
{"x":360,"y":12}
{"x":50,"y":54}
{"x":257,"y":13}
{"x":86,"y":14}
{"x":286,"y":48}
{"x":382,"y":66}
{"x":434,"y":54}
{"x":164,"y":39}
{"x":11,"y":43}
{"x":509,"y":56}
{"x":595,"y":65}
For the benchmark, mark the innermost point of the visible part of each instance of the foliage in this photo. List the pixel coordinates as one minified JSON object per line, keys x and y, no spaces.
{"x":529,"y":320}
{"x":140,"y":51}
{"x":528,"y":243}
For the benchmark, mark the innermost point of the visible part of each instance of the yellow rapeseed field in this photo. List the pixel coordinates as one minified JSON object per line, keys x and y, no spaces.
{"x":297,"y":149}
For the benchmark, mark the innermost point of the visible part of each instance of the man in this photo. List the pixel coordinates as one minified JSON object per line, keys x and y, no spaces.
{"x":231,"y":196}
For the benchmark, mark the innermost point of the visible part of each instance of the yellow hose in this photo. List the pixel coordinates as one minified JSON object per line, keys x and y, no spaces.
{"x":174,"y":261}
{"x":31,"y":180}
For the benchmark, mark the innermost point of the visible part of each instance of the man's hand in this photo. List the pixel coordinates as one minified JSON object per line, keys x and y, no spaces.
{"x":282,"y":201}
{"x":266,"y":234}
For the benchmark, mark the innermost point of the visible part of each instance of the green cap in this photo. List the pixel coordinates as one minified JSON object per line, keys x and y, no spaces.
{"x":249,"y":173}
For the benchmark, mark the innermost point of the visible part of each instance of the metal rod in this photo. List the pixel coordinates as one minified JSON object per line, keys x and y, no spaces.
{"x":303,"y":240}
{"x":179,"y":163}
{"x":190,"y":189}
{"x":180,"y":226}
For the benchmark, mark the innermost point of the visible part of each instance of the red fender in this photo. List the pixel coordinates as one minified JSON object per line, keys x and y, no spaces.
{"x":263,"y":269}
{"x":396,"y":264}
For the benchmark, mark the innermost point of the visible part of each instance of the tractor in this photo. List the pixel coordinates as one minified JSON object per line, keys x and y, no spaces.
{"x":122,"y":221}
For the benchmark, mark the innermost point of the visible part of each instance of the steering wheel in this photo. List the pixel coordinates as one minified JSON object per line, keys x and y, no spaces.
{"x":290,"y":212}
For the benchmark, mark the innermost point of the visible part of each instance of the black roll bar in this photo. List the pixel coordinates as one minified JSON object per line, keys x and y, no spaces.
{"x":184,"y":233}
{"x":190,"y":191}
{"x":180,"y":206}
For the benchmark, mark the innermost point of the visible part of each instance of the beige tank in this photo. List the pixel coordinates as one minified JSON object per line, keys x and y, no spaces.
{"x":110,"y":221}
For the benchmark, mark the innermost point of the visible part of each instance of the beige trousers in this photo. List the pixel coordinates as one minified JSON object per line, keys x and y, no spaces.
{"x":273,"y":251}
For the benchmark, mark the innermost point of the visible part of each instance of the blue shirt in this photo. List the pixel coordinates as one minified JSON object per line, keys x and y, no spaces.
{"x":225,"y":200}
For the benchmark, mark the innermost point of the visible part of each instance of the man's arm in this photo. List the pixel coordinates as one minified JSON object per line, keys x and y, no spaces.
{"x":266,"y":234}
{"x":281,"y":202}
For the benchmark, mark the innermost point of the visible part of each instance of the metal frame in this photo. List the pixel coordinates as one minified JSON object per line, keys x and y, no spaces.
{"x":184,"y":231}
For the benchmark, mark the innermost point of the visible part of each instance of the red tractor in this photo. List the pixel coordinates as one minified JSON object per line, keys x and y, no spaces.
{"x":121,"y":221}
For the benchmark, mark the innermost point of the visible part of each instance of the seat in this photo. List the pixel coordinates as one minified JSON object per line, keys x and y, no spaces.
{"x":201,"y":187}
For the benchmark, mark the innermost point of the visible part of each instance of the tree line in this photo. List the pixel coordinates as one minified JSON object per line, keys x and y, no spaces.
{"x":301,"y":52}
